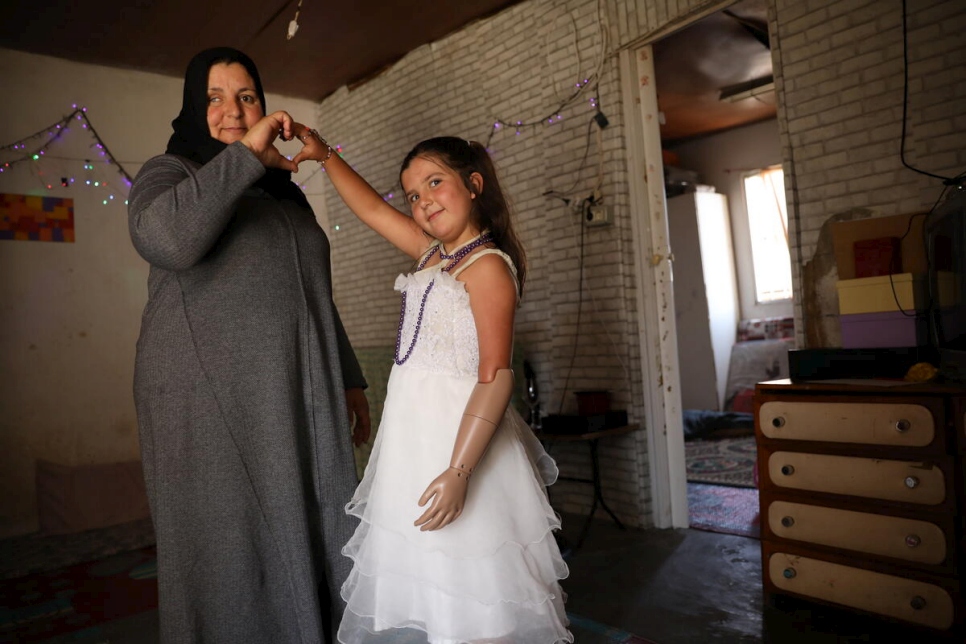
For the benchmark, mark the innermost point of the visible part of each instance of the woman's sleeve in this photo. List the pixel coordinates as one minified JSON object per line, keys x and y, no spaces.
{"x":352,"y":375}
{"x":175,"y":216}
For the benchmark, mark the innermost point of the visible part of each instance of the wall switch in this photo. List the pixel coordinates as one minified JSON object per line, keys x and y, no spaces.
{"x":597,"y":216}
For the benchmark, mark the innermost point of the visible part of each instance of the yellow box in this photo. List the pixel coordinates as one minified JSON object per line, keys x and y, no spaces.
{"x":903,"y":291}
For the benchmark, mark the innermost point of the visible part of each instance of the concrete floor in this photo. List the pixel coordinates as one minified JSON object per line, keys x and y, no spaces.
{"x":669,"y":586}
{"x":692,"y":586}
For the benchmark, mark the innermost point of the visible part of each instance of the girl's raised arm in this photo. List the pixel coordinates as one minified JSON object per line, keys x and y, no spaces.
{"x":367,"y":204}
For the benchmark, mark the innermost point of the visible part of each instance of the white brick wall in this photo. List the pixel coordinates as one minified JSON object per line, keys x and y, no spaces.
{"x":839,"y":74}
{"x":839,"y":79}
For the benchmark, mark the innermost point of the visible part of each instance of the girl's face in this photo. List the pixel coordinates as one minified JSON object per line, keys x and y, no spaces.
{"x":233,"y":105}
{"x":441,"y":203}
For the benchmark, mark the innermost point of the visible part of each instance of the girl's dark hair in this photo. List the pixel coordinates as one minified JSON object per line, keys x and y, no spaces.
{"x":491,"y":209}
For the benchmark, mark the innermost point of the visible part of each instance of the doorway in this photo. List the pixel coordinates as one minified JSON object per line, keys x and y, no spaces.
{"x":714,"y":109}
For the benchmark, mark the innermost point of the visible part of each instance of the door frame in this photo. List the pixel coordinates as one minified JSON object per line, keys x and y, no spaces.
{"x":660,"y":375}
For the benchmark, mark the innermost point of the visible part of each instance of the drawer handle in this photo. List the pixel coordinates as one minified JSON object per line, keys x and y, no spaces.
{"x":917,"y":603}
{"x":789,"y":573}
{"x":789,"y":522}
{"x":913,"y":540}
{"x":788,"y":470}
{"x":778,"y":422}
{"x":903,"y":425}
{"x":912,"y":482}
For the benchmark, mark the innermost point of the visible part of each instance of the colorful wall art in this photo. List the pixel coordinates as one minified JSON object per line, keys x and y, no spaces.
{"x":36,"y":218}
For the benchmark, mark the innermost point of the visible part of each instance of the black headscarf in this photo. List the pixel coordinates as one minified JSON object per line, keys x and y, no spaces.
{"x":192,"y":139}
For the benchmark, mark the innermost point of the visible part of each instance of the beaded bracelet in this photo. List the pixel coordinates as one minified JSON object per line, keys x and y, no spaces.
{"x":328,"y":153}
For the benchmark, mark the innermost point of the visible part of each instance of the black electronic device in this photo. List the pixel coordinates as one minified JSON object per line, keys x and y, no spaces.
{"x":944,"y":232}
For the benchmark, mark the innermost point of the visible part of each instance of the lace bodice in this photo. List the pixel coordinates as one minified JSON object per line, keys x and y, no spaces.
{"x":447,"y":341}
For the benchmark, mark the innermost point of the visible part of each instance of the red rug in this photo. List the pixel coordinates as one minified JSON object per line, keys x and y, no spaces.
{"x":45,"y":605}
{"x":720,"y":508}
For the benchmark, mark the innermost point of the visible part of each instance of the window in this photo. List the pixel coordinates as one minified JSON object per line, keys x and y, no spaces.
{"x":768,"y":222}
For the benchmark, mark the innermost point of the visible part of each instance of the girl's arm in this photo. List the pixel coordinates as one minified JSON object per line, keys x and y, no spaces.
{"x":493,"y":302}
{"x":368,"y":205}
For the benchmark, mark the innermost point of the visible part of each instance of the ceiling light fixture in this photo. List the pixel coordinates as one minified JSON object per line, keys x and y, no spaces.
{"x":748,"y":89}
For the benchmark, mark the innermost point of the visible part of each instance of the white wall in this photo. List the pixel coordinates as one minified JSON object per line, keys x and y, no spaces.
{"x":70,"y":313}
{"x":720,"y":160}
{"x":839,"y":69}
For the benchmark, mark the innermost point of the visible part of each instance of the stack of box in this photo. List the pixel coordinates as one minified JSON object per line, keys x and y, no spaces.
{"x":882,"y":282}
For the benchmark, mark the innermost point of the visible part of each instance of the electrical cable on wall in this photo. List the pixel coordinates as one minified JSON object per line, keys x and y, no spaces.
{"x":580,"y":300}
{"x":553,"y":116}
{"x":957,"y":180}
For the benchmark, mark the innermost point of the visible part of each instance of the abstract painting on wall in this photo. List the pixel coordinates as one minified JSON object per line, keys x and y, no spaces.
{"x":36,"y":218}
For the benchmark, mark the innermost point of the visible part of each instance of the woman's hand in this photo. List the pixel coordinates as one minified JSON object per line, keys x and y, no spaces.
{"x":260,"y":139}
{"x":448,"y":492}
{"x":358,"y":405}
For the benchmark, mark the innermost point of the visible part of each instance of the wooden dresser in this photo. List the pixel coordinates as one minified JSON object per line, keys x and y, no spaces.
{"x":863,"y":498}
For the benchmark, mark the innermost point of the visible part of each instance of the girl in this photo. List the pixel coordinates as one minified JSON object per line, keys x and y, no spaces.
{"x":452,"y":544}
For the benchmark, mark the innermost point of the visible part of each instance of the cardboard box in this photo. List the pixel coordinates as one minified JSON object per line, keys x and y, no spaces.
{"x":874,"y":257}
{"x":883,"y":330}
{"x":904,"y":292}
{"x":912,"y":249}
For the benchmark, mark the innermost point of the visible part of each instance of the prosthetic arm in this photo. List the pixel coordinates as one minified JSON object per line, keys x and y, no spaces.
{"x":483,"y":413}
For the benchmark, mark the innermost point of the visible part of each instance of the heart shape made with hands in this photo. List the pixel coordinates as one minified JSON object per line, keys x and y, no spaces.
{"x":289,"y":153}
{"x":261,"y":139}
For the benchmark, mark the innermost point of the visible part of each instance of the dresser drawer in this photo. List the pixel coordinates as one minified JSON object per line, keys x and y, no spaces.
{"x":890,"y":424}
{"x":922,"y":483}
{"x":959,"y":421}
{"x":912,"y":600}
{"x":912,"y":540}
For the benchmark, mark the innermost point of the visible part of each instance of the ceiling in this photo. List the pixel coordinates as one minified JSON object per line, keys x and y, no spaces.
{"x":346,"y":43}
{"x":337,"y":43}
{"x":698,"y":67}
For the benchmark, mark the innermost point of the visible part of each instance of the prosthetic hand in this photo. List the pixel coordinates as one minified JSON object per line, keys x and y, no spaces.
{"x":484,"y":411}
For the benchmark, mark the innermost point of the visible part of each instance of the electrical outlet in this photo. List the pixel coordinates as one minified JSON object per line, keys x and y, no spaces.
{"x":597,"y":216}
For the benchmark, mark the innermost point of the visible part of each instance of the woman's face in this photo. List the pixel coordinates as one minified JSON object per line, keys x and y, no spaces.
{"x":233,"y":105}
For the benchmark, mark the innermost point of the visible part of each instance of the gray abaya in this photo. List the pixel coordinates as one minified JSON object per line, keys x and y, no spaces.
{"x":241,"y":368}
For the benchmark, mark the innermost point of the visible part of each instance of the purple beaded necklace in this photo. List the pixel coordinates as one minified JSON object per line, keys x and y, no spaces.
{"x":453,"y":260}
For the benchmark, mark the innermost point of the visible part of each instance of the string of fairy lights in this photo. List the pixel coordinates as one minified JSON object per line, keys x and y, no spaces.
{"x":42,"y":150}
{"x":55,"y":167}
{"x":555,"y":115}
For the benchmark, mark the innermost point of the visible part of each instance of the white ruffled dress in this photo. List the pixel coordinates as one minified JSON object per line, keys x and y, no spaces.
{"x":493,"y":574}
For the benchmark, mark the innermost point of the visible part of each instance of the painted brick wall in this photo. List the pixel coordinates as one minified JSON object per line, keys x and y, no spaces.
{"x":519,"y":65}
{"x":839,"y":75}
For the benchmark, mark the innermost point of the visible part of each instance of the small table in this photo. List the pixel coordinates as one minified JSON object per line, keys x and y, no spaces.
{"x":591,"y":438}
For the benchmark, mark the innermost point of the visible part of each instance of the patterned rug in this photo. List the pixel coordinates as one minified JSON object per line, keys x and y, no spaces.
{"x":721,"y":461}
{"x":726,"y":509}
{"x":73,"y":604}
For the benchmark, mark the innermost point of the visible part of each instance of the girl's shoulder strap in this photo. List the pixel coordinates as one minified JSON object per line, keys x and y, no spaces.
{"x":489,"y":251}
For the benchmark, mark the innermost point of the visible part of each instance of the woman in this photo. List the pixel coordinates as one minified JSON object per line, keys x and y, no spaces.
{"x":245,"y":379}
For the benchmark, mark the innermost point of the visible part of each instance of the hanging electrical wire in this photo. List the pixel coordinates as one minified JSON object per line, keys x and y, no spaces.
{"x":293,"y":25}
